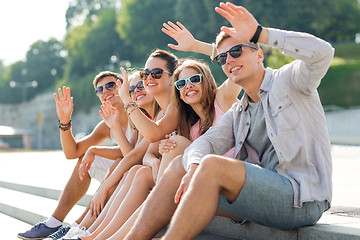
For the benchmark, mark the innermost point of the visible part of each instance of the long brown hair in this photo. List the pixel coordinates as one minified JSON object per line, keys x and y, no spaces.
{"x":188,"y":116}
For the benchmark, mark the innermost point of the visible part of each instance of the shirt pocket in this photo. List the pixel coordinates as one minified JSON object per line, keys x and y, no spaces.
{"x":285,"y":116}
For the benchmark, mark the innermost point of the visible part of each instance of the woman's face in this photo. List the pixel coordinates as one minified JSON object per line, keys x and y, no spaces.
{"x":140,"y":96}
{"x":153,"y":85}
{"x":191,"y":94}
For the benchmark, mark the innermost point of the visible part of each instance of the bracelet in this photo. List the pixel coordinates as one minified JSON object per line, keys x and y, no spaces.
{"x":130,"y":104}
{"x":213,"y":52}
{"x":256,"y":36}
{"x":64,"y":127}
{"x":136,"y":107}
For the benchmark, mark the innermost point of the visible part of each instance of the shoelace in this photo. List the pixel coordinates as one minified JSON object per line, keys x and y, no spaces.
{"x":60,"y":233}
{"x":37,"y":226}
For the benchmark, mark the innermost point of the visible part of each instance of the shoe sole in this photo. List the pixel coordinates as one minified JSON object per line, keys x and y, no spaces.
{"x":25,"y":238}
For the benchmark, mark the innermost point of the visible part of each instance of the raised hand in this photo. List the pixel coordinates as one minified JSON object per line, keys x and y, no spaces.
{"x":241,"y":20}
{"x":124,"y":87}
{"x":181,"y":35}
{"x":109,"y":114}
{"x":64,"y":104}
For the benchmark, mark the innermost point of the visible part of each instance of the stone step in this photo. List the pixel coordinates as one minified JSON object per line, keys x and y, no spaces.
{"x":30,"y":208}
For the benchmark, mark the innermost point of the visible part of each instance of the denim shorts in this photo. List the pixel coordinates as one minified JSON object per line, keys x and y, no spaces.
{"x":267,"y":198}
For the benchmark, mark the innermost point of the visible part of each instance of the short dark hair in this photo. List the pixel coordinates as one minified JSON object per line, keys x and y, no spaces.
{"x":103,"y":74}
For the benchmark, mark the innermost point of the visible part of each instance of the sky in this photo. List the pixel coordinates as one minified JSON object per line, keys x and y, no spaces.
{"x":23,"y":22}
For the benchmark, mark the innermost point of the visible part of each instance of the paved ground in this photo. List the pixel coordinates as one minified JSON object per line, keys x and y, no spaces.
{"x":53,"y":165}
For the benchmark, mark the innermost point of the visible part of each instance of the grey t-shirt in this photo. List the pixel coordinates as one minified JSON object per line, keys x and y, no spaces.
{"x":258,"y":139}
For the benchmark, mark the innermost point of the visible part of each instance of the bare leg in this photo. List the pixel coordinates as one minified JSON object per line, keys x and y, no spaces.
{"x":140,"y":188}
{"x":215,"y":175}
{"x":126,"y":227}
{"x":74,"y":190}
{"x":181,"y":144}
{"x":113,"y":204}
{"x":159,"y":206}
{"x":86,"y":220}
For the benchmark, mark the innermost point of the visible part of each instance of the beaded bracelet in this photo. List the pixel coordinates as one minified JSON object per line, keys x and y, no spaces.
{"x":136,"y":107}
{"x":130,"y":104}
{"x":213,"y":52}
{"x":64,"y":127}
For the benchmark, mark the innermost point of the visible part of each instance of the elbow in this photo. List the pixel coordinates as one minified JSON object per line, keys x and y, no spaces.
{"x":154,"y":138}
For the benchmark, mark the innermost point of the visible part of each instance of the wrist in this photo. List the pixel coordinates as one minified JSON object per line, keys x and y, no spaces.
{"x":64,"y":121}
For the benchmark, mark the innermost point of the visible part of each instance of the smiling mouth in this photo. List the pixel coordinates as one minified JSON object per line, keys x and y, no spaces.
{"x":139,"y":97}
{"x":235,"y":68}
{"x":191,"y":93}
{"x":108,"y":97}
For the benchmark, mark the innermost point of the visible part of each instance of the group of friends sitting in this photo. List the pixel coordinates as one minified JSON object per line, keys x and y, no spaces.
{"x":188,"y":149}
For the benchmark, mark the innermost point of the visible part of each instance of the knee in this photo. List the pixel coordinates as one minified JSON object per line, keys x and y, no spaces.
{"x":144,"y":176}
{"x":210,"y":164}
{"x":133,"y":170}
{"x":176,"y":166}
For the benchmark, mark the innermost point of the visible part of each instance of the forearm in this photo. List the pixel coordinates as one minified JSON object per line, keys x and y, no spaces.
{"x":69,"y":144}
{"x":203,"y":48}
{"x":112,"y":153}
{"x":124,"y":145}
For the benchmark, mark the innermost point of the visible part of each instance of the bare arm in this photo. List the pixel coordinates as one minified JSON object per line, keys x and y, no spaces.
{"x":152,"y":131}
{"x":185,"y":40}
{"x":152,"y":159}
{"x":227,"y":94}
{"x":71,"y":148}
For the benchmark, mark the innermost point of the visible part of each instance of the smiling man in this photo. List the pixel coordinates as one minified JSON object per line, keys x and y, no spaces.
{"x":103,"y":159}
{"x":278,"y":124}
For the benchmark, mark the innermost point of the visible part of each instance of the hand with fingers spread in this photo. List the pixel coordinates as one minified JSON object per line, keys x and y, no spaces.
{"x":240,"y":18}
{"x":166,"y":145}
{"x":64,"y":104}
{"x":185,"y":40}
{"x":124,"y":87}
{"x":110,"y":115}
{"x":86,"y":162}
{"x":185,"y":182}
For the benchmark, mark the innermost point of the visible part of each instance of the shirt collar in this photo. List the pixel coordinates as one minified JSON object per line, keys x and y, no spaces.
{"x":265,"y":86}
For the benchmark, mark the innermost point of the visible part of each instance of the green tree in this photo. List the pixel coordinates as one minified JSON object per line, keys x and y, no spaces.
{"x":92,"y":46}
{"x":140,"y":22}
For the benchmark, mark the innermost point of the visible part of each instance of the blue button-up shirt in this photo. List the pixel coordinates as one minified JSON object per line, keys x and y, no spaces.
{"x":294,"y":118}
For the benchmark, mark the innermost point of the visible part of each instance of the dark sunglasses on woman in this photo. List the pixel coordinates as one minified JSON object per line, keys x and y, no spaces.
{"x":234,"y":52}
{"x":139,"y":85}
{"x":156,"y":73}
{"x":194,"y":80}
{"x":111,"y":86}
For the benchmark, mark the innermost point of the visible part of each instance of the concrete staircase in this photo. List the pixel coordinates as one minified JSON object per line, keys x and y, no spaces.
{"x":31,"y":198}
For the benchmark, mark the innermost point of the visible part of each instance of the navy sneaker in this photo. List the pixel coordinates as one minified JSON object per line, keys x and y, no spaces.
{"x":39,"y":231}
{"x":59,"y":233}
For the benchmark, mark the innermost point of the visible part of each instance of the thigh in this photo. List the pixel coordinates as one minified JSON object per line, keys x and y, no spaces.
{"x":267,"y":198}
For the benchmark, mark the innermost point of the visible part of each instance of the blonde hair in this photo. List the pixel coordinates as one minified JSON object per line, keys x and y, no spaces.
{"x":155,"y":106}
{"x":188,"y":116}
{"x":222,"y":36}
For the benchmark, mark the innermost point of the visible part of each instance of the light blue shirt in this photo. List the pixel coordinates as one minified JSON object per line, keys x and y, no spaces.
{"x":294,"y":117}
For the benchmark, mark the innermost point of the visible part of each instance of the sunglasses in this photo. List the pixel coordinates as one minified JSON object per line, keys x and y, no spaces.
{"x":194,"y":80}
{"x":139,"y":85}
{"x":110,"y":86}
{"x":156,"y":73}
{"x":234,"y":52}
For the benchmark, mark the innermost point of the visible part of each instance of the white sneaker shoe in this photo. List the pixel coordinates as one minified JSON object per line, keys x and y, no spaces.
{"x":74,"y":232}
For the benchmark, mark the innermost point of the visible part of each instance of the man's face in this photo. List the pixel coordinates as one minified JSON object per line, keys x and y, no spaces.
{"x":241,"y":68}
{"x":109,"y":92}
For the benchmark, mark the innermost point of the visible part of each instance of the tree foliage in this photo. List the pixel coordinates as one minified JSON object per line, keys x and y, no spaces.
{"x":101,"y":34}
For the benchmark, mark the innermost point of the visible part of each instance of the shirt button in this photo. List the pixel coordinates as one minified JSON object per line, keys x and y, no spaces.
{"x":247,"y":124}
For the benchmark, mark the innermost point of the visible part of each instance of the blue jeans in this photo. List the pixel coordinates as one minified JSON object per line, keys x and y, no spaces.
{"x":267,"y":198}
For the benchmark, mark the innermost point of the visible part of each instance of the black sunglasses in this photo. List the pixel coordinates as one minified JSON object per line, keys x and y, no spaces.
{"x":111,"y":86}
{"x":194,"y":79}
{"x":234,"y":52}
{"x":139,"y":85}
{"x":156,"y":73}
